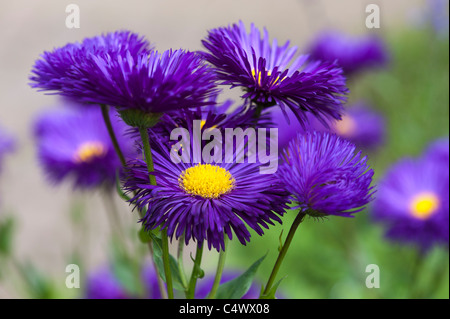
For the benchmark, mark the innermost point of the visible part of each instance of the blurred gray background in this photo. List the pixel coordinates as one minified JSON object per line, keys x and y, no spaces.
{"x":27,"y":28}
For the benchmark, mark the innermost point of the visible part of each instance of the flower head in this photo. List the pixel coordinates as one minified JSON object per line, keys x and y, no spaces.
{"x":206,"y":200}
{"x":58,"y":71}
{"x":352,"y":53}
{"x":72,"y":144}
{"x":413,"y":202}
{"x":325,"y":175}
{"x":151,"y":82}
{"x":272,"y":74}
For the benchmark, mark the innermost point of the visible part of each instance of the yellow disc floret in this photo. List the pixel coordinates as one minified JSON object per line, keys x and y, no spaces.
{"x":206,"y":180}
{"x":88,"y":151}
{"x":424,"y":205}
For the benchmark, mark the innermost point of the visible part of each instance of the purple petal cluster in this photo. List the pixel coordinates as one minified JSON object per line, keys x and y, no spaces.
{"x":275,"y":75}
{"x":58,"y":71}
{"x":353,"y":53}
{"x":413,"y":199}
{"x":72,"y":145}
{"x":325,"y":175}
{"x":252,"y":199}
{"x":119,"y":69}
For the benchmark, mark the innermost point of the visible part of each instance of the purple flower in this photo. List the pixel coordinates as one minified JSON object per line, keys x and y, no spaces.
{"x":360,"y":124}
{"x":206,"y":201}
{"x":439,"y":151}
{"x":74,"y":144}
{"x":104,"y":284}
{"x":352,"y":53}
{"x":272,"y":74}
{"x":325,"y":175}
{"x":413,"y":202}
{"x":149,"y":82}
{"x":7,"y":144}
{"x":58,"y":71}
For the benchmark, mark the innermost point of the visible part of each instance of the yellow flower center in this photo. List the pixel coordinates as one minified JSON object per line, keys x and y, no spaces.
{"x":89,"y":151}
{"x":424,"y":205}
{"x":346,"y":126}
{"x":206,"y":180}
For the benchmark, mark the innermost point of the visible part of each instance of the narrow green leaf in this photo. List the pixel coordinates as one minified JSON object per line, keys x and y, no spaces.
{"x":238,"y":287}
{"x":157,"y":257}
{"x":272,"y":292}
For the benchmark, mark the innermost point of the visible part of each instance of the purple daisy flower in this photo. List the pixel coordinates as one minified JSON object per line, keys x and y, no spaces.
{"x":325,"y":175}
{"x":149,"y":82}
{"x":56,"y":71}
{"x":72,"y":144}
{"x":272,"y":74}
{"x":413,"y":202}
{"x":352,"y":53}
{"x":360,"y":124}
{"x":206,"y":200}
{"x":7,"y":144}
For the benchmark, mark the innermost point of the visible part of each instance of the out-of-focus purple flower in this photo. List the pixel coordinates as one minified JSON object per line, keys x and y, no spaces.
{"x":7,"y":144}
{"x":204,"y":285}
{"x":439,"y":16}
{"x":353,"y":53}
{"x":275,"y":75}
{"x":104,"y":284}
{"x":58,"y":72}
{"x":439,"y":151}
{"x":73,"y":144}
{"x":325,"y":175}
{"x":413,"y":202}
{"x":207,"y":200}
{"x":360,"y":124}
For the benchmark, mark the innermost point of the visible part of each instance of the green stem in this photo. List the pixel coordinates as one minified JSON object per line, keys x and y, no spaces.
{"x":180,"y":260}
{"x":298,"y":219}
{"x":166,"y":262}
{"x":112,"y":135}
{"x":147,"y":154}
{"x":165,"y":240}
{"x":220,"y":266}
{"x":190,"y":294}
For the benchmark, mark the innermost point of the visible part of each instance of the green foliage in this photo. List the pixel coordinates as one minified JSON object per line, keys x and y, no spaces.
{"x":238,"y":287}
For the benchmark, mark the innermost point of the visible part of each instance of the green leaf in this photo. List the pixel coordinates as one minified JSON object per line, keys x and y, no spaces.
{"x":6,"y":235}
{"x":126,"y":270}
{"x":272,"y":292}
{"x":157,"y":257}
{"x":238,"y":287}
